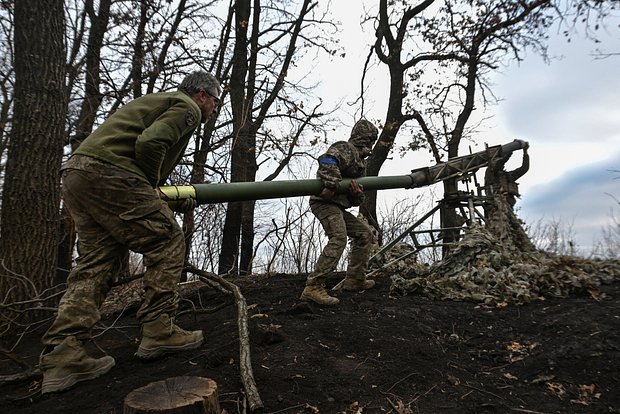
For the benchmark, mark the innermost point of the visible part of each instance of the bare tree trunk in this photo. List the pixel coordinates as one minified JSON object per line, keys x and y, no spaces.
{"x":90,"y":105}
{"x":246,"y":248}
{"x":31,"y":197}
{"x":6,"y":101}
{"x":395,"y":117}
{"x":138,"y":52}
{"x":381,"y":151}
{"x":92,"y":95}
{"x":447,"y":216}
{"x":241,"y":103}
{"x":240,"y":215}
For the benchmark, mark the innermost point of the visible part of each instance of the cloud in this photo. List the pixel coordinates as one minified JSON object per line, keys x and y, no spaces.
{"x":569,"y":111}
{"x":582,"y":197}
{"x":569,"y":100}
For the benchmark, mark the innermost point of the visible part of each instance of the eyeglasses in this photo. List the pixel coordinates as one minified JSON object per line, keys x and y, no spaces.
{"x":216,"y":100}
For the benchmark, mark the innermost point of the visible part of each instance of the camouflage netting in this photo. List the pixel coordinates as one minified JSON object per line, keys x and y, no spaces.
{"x":498,"y":263}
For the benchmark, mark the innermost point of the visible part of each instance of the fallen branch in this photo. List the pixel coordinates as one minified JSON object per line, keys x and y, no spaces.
{"x":398,"y":382}
{"x":245,"y":360}
{"x":484,"y":391}
{"x":339,"y":285}
{"x":523,"y":410}
{"x":425,"y":394}
{"x":23,"y":375}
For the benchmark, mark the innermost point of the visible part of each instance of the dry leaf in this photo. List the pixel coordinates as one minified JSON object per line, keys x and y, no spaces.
{"x":556,"y":389}
{"x":354,"y":408}
{"x":312,"y":408}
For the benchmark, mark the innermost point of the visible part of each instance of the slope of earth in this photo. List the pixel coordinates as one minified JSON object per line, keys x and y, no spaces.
{"x":373,"y":353}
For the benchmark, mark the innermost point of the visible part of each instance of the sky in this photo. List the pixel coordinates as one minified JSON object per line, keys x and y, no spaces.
{"x":568,"y":110}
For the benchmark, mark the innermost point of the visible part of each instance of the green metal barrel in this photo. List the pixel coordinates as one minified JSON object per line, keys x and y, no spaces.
{"x":262,"y":190}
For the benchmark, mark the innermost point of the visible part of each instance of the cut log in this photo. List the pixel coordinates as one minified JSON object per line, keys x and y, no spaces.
{"x":178,"y":395}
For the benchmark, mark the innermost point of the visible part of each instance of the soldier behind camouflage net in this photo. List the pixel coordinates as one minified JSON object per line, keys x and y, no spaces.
{"x":109,"y":186}
{"x":343,"y":159}
{"x":500,"y":182}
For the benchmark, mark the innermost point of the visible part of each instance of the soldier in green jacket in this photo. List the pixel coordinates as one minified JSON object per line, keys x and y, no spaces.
{"x":343,"y":159}
{"x":110,"y":186}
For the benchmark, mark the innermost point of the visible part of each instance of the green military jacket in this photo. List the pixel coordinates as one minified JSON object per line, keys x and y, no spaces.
{"x":148,"y":136}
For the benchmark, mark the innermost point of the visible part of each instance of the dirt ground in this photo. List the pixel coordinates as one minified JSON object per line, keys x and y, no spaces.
{"x":373,"y":353}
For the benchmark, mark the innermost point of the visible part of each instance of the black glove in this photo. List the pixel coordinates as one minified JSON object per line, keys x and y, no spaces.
{"x":184,"y":206}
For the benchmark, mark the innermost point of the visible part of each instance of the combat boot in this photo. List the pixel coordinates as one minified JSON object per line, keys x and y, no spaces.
{"x":162,"y":336}
{"x":68,"y":364}
{"x":357,"y":284}
{"x":317,"y":294}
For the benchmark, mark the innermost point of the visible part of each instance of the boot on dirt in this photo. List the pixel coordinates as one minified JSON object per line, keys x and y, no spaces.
{"x":162,"y":336}
{"x":317,"y":294}
{"x":357,"y":284}
{"x":68,"y":364}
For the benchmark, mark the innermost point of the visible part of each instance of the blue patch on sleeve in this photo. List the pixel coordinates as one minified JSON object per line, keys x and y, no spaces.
{"x":328,"y":160}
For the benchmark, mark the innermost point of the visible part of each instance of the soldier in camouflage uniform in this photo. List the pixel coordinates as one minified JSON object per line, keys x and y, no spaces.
{"x":498,"y":181}
{"x":110,"y":186}
{"x":344,"y":159}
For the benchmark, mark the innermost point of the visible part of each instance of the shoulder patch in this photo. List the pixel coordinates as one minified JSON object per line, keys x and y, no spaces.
{"x":190,"y":118}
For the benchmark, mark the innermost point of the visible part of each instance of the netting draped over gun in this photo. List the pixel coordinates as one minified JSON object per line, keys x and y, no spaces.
{"x":262,"y":190}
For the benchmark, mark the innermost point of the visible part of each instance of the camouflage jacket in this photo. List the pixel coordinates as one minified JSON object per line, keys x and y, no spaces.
{"x":148,"y":136}
{"x":342,"y":160}
{"x":505,"y":182}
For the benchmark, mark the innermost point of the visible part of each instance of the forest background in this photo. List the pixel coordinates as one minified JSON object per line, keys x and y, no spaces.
{"x":565,"y":106}
{"x":65,"y":67}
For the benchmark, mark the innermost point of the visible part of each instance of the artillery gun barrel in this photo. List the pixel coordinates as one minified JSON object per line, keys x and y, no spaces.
{"x":262,"y":190}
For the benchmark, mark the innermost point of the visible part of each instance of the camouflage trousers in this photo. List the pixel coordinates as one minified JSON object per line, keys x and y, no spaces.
{"x":113,"y":211}
{"x":338,"y":224}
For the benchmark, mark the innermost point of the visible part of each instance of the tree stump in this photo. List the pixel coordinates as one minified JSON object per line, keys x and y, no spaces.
{"x":178,"y":395}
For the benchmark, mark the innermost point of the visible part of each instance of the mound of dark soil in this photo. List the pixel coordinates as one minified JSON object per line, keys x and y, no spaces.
{"x":371,"y":354}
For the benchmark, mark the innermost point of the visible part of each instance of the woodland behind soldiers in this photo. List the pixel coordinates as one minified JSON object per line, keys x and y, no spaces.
{"x":71,"y":65}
